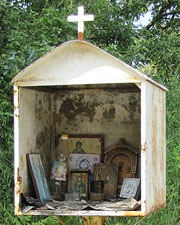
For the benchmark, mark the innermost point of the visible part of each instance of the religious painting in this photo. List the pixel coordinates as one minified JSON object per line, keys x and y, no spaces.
{"x":78,"y":182}
{"x":83,"y":144}
{"x":126,"y":157}
{"x":83,"y":161}
{"x":130,"y":188}
{"x":107,"y":172}
{"x":38,"y":177}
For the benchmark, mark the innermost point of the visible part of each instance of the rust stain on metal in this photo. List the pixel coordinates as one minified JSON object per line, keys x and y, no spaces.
{"x":16,"y":92}
{"x":134,"y":213}
{"x":143,"y":147}
{"x":21,"y":162}
{"x":87,"y":214}
{"x":17,"y":209}
{"x":16,"y":108}
{"x":95,"y":220}
{"x":156,"y":208}
{"x":86,"y":220}
{"x":27,"y":143}
{"x":19,"y":181}
{"x":157,"y":153}
{"x":98,"y":220}
{"x":33,"y":77}
{"x":80,"y":36}
{"x":133,"y":78}
{"x":17,"y":190}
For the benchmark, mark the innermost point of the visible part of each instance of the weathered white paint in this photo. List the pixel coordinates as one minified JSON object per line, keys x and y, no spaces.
{"x":155,"y":137}
{"x":17,"y":181}
{"x":39,"y":116}
{"x":55,"y":83}
{"x":77,"y":62}
{"x":35,"y":132}
{"x":85,"y":213}
{"x":143,"y":144}
{"x":80,"y":18}
{"x":153,"y":150}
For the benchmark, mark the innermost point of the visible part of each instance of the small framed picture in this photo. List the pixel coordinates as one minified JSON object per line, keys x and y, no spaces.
{"x":84,"y":144}
{"x":78,"y":182}
{"x":107,"y":172}
{"x":130,"y":188}
{"x":38,"y":177}
{"x":83,"y":161}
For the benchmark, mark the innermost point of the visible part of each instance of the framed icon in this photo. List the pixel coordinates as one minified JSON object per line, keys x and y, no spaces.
{"x":38,"y":177}
{"x":107,"y":172}
{"x":130,"y":188}
{"x":78,"y":181}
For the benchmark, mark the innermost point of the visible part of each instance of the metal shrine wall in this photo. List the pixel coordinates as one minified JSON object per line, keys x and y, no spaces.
{"x":104,"y":96}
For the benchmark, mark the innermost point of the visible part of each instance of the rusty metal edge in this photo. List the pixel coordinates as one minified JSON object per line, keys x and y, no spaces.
{"x":85,"y":213}
{"x":140,"y":75}
{"x":17,"y":177}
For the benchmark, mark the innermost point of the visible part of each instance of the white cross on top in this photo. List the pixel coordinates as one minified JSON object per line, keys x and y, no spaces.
{"x":80,"y":18}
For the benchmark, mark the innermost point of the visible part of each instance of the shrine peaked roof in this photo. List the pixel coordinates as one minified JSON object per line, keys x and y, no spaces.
{"x":79,"y":62}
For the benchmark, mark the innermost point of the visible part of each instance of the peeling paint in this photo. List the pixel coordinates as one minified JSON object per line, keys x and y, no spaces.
{"x":154,"y":167}
{"x":92,"y":111}
{"x":19,"y":181}
{"x":17,"y":190}
{"x":70,"y":108}
{"x":27,"y":143}
{"x":21,"y":162}
{"x":143,"y":147}
{"x":110,"y":113}
{"x":15,"y":108}
{"x":86,"y":213}
{"x":16,"y":91}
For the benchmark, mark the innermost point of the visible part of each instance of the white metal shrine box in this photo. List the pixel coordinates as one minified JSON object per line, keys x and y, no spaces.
{"x":78,"y":88}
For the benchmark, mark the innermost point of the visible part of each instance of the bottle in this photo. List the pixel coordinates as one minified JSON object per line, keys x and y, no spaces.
{"x":59,"y":170}
{"x":63,"y":146}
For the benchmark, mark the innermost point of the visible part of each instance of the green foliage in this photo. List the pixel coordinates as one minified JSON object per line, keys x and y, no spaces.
{"x":29,"y":30}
